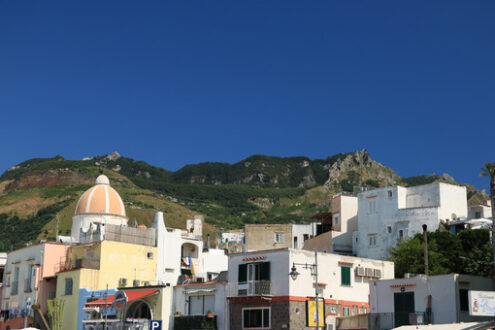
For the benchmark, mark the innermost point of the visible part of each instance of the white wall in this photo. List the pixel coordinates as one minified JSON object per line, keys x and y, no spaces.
{"x":22,"y":258}
{"x":404,"y":210}
{"x":220,"y":307}
{"x":329,"y":270}
{"x":213,"y":261}
{"x":441,"y":287}
{"x":298,"y":230}
{"x":329,"y":273}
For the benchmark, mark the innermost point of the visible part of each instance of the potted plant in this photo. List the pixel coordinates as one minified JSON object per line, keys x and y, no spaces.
{"x":210,"y":314}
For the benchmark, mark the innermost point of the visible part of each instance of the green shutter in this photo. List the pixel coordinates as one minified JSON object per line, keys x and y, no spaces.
{"x":265,"y":271}
{"x":345,"y":275}
{"x":242,"y":273}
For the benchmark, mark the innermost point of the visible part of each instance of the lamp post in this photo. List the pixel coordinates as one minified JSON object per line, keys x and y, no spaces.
{"x":314,"y":271}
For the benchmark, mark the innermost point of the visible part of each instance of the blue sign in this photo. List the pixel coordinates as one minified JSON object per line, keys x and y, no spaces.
{"x":156,"y":325}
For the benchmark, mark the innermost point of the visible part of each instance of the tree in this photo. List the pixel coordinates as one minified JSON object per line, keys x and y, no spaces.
{"x":489,"y":171}
{"x":469,"y":252}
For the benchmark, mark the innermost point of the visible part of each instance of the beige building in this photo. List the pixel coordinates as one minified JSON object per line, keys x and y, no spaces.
{"x":277,"y":236}
{"x":344,"y":223}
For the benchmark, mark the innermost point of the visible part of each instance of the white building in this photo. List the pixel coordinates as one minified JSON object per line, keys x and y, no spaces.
{"x":201,"y":298}
{"x":387,"y":215}
{"x":480,"y":211}
{"x":180,"y":252}
{"x":404,"y":301}
{"x":259,"y":284}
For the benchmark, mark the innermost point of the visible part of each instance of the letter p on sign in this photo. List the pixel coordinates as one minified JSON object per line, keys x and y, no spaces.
{"x":156,"y":325}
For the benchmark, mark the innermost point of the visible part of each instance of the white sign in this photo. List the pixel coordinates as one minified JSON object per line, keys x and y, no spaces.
{"x":481,"y":303}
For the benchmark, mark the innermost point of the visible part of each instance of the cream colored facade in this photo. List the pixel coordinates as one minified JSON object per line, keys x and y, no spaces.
{"x":277,"y":236}
{"x":94,"y":266}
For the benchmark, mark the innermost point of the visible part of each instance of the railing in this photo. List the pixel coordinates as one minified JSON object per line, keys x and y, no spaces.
{"x":69,"y":264}
{"x":27,"y":285}
{"x":252,"y":288}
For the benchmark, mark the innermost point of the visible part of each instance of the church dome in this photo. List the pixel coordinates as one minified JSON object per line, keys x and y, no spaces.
{"x":100,"y":199}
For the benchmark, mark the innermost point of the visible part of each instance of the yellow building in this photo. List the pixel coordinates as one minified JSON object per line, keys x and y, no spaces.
{"x":106,"y":253}
{"x":98,"y":266}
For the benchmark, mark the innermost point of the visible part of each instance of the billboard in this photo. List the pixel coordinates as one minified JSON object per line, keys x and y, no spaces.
{"x":311,"y":313}
{"x":481,"y":303}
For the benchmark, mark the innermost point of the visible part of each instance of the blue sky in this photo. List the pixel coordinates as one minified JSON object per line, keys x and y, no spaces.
{"x":180,"y":82}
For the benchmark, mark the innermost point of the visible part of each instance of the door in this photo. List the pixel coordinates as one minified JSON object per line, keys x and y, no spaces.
{"x":403,"y":306}
{"x":251,"y":278}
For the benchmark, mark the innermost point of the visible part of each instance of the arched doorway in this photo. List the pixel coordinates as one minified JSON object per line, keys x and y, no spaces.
{"x":140,"y":309}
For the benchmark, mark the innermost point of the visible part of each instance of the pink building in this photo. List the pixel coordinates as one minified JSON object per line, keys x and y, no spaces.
{"x":30,"y":277}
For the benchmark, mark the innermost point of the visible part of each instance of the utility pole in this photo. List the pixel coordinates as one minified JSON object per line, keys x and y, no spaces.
{"x":425,"y":238}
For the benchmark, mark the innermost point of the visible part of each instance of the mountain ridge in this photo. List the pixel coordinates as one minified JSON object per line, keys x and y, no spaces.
{"x":257,"y":189}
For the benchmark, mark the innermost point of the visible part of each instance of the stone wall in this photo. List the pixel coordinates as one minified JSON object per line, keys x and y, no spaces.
{"x":284,"y":314}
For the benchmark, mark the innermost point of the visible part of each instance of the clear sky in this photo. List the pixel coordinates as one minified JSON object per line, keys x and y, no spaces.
{"x":180,"y":82}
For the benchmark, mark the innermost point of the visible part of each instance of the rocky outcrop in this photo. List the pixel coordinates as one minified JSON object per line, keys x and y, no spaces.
{"x":357,"y":169}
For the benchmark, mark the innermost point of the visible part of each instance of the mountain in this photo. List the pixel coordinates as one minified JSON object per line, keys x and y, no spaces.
{"x":258,"y":189}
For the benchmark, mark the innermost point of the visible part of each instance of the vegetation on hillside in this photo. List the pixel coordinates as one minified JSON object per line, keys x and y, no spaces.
{"x":258,"y":189}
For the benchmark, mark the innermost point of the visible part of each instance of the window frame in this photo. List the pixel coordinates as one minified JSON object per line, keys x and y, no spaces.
{"x":348,"y":269}
{"x":372,"y":239}
{"x":71,"y":286}
{"x":277,"y":235}
{"x":262,"y":308}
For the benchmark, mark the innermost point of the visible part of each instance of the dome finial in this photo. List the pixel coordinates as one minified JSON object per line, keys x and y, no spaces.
{"x":102,"y":179}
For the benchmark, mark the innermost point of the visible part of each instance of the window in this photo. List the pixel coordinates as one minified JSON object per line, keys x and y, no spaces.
{"x":372,"y":206}
{"x":463,"y":299}
{"x":477,"y":215}
{"x":256,"y":318}
{"x":305,"y":237}
{"x":401,"y":235}
{"x":372,"y":239}
{"x":68,"y":286}
{"x":336,"y":220}
{"x":346,"y":311}
{"x":362,"y":310}
{"x":295,"y":242}
{"x":389,"y":229}
{"x":345,"y":275}
{"x":279,"y":237}
{"x":390,"y":193}
{"x":150,"y":255}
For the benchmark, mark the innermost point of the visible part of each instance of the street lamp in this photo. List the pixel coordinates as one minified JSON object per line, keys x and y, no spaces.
{"x":314,"y":271}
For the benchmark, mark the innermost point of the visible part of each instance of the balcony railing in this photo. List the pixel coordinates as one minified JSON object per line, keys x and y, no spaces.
{"x":252,"y":288}
{"x":70,"y":264}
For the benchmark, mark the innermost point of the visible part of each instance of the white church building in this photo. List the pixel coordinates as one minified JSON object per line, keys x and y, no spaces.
{"x":182,"y":255}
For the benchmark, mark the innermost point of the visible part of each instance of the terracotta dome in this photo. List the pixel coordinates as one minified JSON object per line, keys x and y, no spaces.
{"x":100,"y":199}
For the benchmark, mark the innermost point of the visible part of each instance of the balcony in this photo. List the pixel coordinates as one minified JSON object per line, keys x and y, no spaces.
{"x":27,"y":285}
{"x":253,"y":288}
{"x":70,"y":264}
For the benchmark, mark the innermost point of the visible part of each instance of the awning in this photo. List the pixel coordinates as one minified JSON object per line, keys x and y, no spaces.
{"x":131,"y":295}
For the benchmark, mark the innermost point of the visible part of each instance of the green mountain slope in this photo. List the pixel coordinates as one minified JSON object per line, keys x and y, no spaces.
{"x":259,"y":189}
